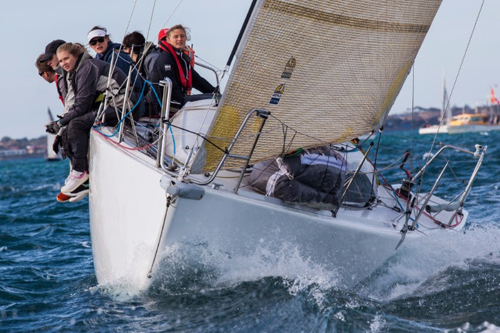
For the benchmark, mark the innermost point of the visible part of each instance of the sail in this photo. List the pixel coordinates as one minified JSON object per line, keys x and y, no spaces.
{"x":327,"y":70}
{"x":51,"y":155}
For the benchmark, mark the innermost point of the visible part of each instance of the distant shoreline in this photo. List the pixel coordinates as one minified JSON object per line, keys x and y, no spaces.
{"x":21,"y":156}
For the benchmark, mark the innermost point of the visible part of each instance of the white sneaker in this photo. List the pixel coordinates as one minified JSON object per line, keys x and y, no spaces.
{"x":73,"y":182}
{"x":79,"y":196}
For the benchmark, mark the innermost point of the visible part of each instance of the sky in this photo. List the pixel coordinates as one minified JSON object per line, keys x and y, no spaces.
{"x":28,"y":25}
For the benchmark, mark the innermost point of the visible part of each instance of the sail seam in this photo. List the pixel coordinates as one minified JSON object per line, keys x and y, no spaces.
{"x":341,"y":20}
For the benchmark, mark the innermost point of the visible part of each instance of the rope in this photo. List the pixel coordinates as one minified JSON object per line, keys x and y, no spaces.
{"x":130,"y":18}
{"x":197,"y":134}
{"x":124,"y":147}
{"x":132,"y":109}
{"x":126,"y":115}
{"x":458,"y":74}
{"x":151,"y":19}
{"x":173,"y":12}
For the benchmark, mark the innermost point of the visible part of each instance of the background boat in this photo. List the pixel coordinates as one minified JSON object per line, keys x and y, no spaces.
{"x":462,"y":123}
{"x":51,"y":156}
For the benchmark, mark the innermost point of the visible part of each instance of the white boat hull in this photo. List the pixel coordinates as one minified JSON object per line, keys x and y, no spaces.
{"x":127,"y":215}
{"x":458,"y":129}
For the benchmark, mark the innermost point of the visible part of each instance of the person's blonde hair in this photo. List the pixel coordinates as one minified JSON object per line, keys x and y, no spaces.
{"x":75,"y":49}
{"x":180,"y":26}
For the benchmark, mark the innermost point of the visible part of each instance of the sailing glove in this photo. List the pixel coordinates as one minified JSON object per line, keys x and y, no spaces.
{"x":53,"y":127}
{"x":57,"y":144}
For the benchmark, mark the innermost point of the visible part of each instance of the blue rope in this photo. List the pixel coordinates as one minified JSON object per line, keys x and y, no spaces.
{"x":133,"y":108}
{"x":159,"y":102}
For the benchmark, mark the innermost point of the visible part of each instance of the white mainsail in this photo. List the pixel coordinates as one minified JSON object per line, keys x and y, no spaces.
{"x":329,"y":69}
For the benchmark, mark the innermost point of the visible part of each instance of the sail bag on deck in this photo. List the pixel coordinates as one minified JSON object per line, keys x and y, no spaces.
{"x":315,"y":178}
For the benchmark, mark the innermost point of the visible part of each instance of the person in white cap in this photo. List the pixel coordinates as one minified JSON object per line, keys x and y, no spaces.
{"x":99,"y":40}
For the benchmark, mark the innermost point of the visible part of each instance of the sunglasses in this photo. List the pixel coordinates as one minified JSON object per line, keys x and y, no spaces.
{"x":40,"y":73}
{"x":96,"y":40}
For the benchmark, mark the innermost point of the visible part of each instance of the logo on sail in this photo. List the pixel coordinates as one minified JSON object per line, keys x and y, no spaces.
{"x":278,"y":92}
{"x":289,"y":67}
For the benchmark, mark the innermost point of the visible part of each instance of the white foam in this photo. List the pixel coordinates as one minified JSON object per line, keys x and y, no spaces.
{"x":207,"y":268}
{"x":415,"y":263}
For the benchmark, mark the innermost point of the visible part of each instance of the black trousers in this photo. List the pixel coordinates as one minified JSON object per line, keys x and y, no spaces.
{"x":76,"y":139}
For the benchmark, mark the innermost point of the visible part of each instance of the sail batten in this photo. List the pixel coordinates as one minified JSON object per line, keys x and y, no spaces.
{"x":327,"y":70}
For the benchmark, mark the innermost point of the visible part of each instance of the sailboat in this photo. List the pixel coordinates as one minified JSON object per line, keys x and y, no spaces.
{"x":186,"y":184}
{"x":50,"y":155}
{"x":463,"y":123}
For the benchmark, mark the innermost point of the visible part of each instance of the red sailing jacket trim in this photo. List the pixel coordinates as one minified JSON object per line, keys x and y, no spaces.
{"x":59,"y":91}
{"x":186,"y":83}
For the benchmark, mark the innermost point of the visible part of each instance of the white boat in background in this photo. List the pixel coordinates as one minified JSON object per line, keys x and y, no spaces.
{"x":50,"y":155}
{"x":190,"y":187}
{"x":463,"y":123}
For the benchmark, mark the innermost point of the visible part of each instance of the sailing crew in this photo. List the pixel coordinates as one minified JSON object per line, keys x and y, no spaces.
{"x":47,"y":73}
{"x":144,"y":55}
{"x":50,"y":57}
{"x":176,"y":62}
{"x":88,"y":78}
{"x":100,"y":42}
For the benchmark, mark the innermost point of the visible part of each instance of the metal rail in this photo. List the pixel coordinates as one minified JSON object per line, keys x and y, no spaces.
{"x":165,"y":111}
{"x":358,"y":168}
{"x":125,"y":103}
{"x":264,"y":114}
{"x":418,"y":174}
{"x":429,"y":195}
{"x":480,"y":150}
{"x":210,"y":69}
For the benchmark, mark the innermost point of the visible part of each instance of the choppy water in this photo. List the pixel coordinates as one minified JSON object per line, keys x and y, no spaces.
{"x":47,"y":282}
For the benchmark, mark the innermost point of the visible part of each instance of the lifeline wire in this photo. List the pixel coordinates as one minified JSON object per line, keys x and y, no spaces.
{"x":453,"y":87}
{"x":130,"y":18}
{"x":173,"y":12}
{"x":151,"y":19}
{"x":458,"y":74}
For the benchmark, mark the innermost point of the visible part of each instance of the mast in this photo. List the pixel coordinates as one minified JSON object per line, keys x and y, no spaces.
{"x":446,"y":107}
{"x":51,"y":118}
{"x":240,"y":35}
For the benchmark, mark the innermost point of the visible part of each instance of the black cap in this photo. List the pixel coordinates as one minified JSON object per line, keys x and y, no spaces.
{"x":51,"y":49}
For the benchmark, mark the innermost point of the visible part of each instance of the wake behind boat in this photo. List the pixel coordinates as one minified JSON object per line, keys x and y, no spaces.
{"x":189,"y":181}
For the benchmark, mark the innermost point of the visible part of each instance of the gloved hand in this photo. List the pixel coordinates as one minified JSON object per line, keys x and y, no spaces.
{"x":57,"y":144}
{"x":53,"y":127}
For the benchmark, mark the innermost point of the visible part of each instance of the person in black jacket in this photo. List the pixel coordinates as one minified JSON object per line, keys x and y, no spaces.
{"x":176,"y":62}
{"x":144,"y":55}
{"x":88,"y":79}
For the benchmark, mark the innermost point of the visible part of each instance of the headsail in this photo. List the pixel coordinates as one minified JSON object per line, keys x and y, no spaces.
{"x":329,"y":69}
